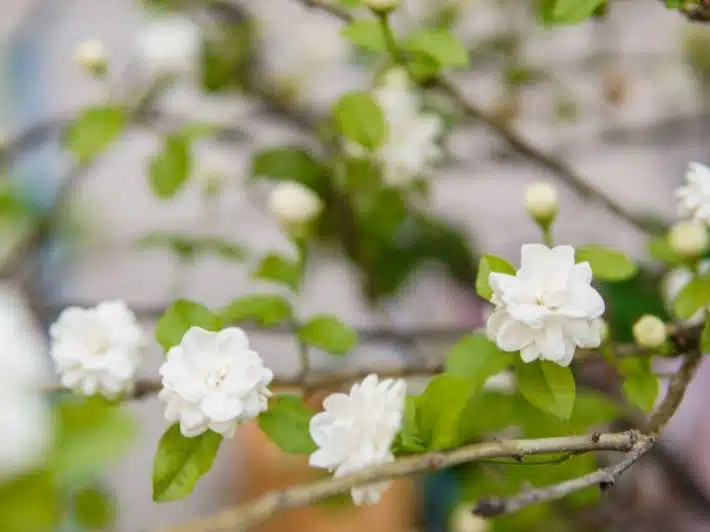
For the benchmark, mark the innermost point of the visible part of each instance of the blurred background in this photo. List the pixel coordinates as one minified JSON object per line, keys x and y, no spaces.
{"x":623,"y":99}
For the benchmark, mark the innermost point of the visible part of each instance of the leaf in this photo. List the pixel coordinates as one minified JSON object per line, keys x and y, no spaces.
{"x":485,"y":413}
{"x":661,"y":250}
{"x":286,"y":423}
{"x":439,"y":44}
{"x":186,"y":246}
{"x":290,"y":164}
{"x":607,"y":264}
{"x":366,"y":34}
{"x":705,"y":338}
{"x":93,"y":509}
{"x":408,"y":439}
{"x":328,"y":333}
{"x":476,"y":357}
{"x":574,"y":11}
{"x":266,"y":309}
{"x":93,"y":130}
{"x":360,"y":119}
{"x":91,"y":435}
{"x":692,"y":297}
{"x":547,"y":386}
{"x":279,"y":269}
{"x":170,"y":168}
{"x":179,"y":317}
{"x":489,"y":264}
{"x":180,"y":462}
{"x":641,"y":388}
{"x":29,"y":503}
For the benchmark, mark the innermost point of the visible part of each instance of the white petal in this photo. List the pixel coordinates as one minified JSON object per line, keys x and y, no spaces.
{"x":513,"y":336}
{"x":219,"y":408}
{"x":534,"y":257}
{"x":551,"y":342}
{"x":530,"y":352}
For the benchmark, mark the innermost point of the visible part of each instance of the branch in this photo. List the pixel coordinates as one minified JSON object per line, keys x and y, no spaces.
{"x":241,"y":518}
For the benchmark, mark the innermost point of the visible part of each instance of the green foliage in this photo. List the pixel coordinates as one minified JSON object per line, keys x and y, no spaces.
{"x":286,"y":423}
{"x":365,"y":33}
{"x":29,"y":503}
{"x":91,"y":433}
{"x":489,"y":264}
{"x":279,"y":269}
{"x":547,"y":386}
{"x":485,"y":413}
{"x":360,"y":119}
{"x":607,"y":264}
{"x":187,"y":247}
{"x":291,"y":164}
{"x":553,"y":12}
{"x":227,"y":56}
{"x":475,"y":357}
{"x":705,"y":337}
{"x":440,"y":45}
{"x":169,"y":169}
{"x":692,"y":297}
{"x":660,"y":249}
{"x":93,"y":130}
{"x":640,"y":385}
{"x":407,"y":440}
{"x":93,"y":509}
{"x":329,"y":334}
{"x":179,"y":317}
{"x":265,"y":309}
{"x":180,"y":462}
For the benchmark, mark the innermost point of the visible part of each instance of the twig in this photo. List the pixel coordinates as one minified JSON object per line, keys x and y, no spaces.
{"x":241,"y":518}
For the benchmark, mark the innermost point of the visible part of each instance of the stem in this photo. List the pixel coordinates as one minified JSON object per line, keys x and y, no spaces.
{"x":547,"y":235}
{"x":390,"y":40}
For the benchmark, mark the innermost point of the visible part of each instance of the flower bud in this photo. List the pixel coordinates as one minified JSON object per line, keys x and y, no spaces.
{"x":650,"y":332}
{"x":689,"y":238}
{"x":382,"y":6}
{"x":169,"y":45}
{"x":91,"y":55}
{"x":464,"y":520}
{"x":603,"y":329}
{"x":541,"y":200}
{"x":294,"y":204}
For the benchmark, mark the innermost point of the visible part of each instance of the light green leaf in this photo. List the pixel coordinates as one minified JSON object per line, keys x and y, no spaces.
{"x":439,"y":44}
{"x":408,"y":439}
{"x":290,"y":164}
{"x":641,"y":389}
{"x":329,"y":334}
{"x":179,"y":317}
{"x":439,"y":410}
{"x":547,"y":386}
{"x":705,"y":337}
{"x":180,"y":462}
{"x":476,"y":357}
{"x":29,"y":503}
{"x":170,"y":168}
{"x":187,"y":246}
{"x":360,"y":119}
{"x":574,"y":11}
{"x":279,"y":269}
{"x":91,"y":435}
{"x":266,"y":309}
{"x":366,"y":33}
{"x":93,"y":509}
{"x":607,"y":264}
{"x":286,"y":423}
{"x":660,"y":249}
{"x":484,"y":414}
{"x":692,"y":297}
{"x":93,"y":130}
{"x":489,"y":264}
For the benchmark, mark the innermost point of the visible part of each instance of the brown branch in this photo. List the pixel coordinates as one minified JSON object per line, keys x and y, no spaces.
{"x":242,"y":517}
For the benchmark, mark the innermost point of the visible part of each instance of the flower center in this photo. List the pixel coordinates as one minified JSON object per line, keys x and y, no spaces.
{"x":216,"y":377}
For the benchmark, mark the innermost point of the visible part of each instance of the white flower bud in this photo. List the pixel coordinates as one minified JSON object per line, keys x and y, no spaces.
{"x":689,"y":238}
{"x":293,"y":203}
{"x":603,"y":329}
{"x":650,"y":331}
{"x":541,"y":200}
{"x":170,"y":44}
{"x":91,"y":55}
{"x":382,"y":6}
{"x":464,"y":520}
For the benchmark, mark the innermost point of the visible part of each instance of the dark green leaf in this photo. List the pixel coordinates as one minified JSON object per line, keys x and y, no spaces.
{"x":692,"y":297}
{"x":180,"y":462}
{"x":93,"y":509}
{"x":93,"y":130}
{"x":328,"y":333}
{"x":290,"y":164}
{"x":366,"y":34}
{"x":547,"y":386}
{"x":607,"y":264}
{"x":266,"y":309}
{"x":360,"y":119}
{"x":489,"y":264}
{"x":29,"y":504}
{"x":476,"y":357}
{"x":179,"y":317}
{"x":279,"y":269}
{"x":705,"y":338}
{"x":170,"y":168}
{"x":286,"y":423}
{"x":485,"y":413}
{"x":441,"y":45}
{"x":641,"y":388}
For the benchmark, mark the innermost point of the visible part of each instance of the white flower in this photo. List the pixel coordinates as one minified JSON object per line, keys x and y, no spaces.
{"x":542,"y":202}
{"x":649,"y":331}
{"x":689,"y":238}
{"x":695,"y":196}
{"x":99,"y":349}
{"x":382,"y":5}
{"x":293,"y":203}
{"x":213,"y":380}
{"x":91,"y":55}
{"x":356,"y":430}
{"x":170,"y":44}
{"x":548,"y":308}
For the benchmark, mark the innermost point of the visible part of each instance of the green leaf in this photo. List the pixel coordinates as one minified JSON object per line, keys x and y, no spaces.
{"x":93,"y":509}
{"x":574,"y":11}
{"x":329,"y":334}
{"x":360,"y":119}
{"x":641,"y":388}
{"x":170,"y":168}
{"x":91,"y":435}
{"x":290,"y":164}
{"x":705,"y":338}
{"x":29,"y":503}
{"x":279,"y":269}
{"x":180,"y":462}
{"x":607,"y":264}
{"x":439,"y":410}
{"x":286,"y":423}
{"x":179,"y":317}
{"x":484,"y":414}
{"x":265,"y":309}
{"x":489,"y":264}
{"x":439,"y":44}
{"x":476,"y":357}
{"x":408,"y":439}
{"x":692,"y":297}
{"x":93,"y":130}
{"x":366,"y":34}
{"x":661,"y":250}
{"x":547,"y":386}
{"x":187,"y":246}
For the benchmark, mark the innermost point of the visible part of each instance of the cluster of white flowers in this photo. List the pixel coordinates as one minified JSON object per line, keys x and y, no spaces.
{"x":548,"y":308}
{"x":356,"y":430}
